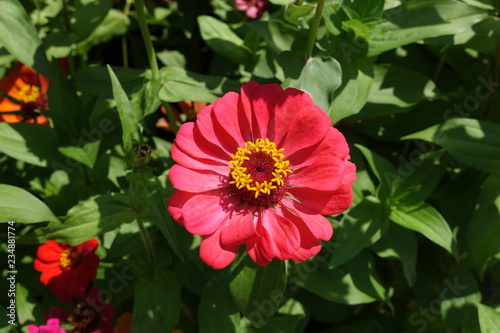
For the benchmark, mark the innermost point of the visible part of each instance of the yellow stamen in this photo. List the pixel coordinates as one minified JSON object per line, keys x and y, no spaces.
{"x":243,"y":179}
{"x":29,"y":93}
{"x":69,"y":257}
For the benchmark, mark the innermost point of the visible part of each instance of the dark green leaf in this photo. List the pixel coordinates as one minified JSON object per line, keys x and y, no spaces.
{"x":361,"y":227}
{"x":88,"y":16}
{"x":296,"y":14}
{"x":257,"y":291}
{"x":19,"y":205}
{"x":157,"y":302}
{"x":489,"y":319}
{"x":87,"y":154}
{"x":217,"y":311}
{"x":20,"y":37}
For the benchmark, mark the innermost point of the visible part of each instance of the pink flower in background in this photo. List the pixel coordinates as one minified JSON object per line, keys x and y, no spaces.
{"x":51,"y":327}
{"x":260,"y":169}
{"x":253,"y":8}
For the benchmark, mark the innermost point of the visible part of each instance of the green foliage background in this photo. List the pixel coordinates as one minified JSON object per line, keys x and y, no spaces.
{"x":411,"y":84}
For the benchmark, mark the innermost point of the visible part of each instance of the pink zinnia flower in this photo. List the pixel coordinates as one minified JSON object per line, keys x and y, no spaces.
{"x":89,"y":314}
{"x":261,"y":169}
{"x":51,"y":327}
{"x":252,"y":8}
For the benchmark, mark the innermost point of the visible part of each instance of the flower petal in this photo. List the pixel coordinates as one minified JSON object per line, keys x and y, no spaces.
{"x":214,"y":254}
{"x":232,"y":117}
{"x":197,"y":163}
{"x":50,"y":251}
{"x":195,"y":145}
{"x":324,"y":174}
{"x":238,"y":229}
{"x":196,"y":181}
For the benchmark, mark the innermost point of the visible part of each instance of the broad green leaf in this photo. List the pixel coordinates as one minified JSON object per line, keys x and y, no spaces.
{"x":278,"y":35}
{"x":87,"y":154}
{"x":24,"y":306}
{"x":398,"y":86}
{"x":318,"y":76}
{"x":402,"y":244}
{"x":146,"y":192}
{"x":485,"y":224}
{"x":361,"y":227}
{"x":489,"y":319}
{"x":472,"y":142}
{"x":385,"y":172}
{"x":281,"y":324}
{"x":368,"y":8}
{"x":217,"y":311}
{"x":418,"y":20}
{"x":30,"y":143}
{"x":353,"y":283}
{"x":19,"y":205}
{"x":88,"y":16}
{"x":256,"y":290}
{"x":128,"y":117}
{"x":86,"y":220}
{"x":20,"y":37}
{"x":219,"y":37}
{"x":157,"y":302}
{"x":60,"y":44}
{"x":96,"y":81}
{"x":351,"y":96}
{"x":428,"y":221}
{"x":297,"y":14}
{"x":179,"y":85}
{"x":458,"y":308}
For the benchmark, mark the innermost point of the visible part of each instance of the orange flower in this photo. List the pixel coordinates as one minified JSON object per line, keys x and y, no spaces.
{"x":123,"y":323}
{"x":23,"y":91}
{"x":190,"y":109}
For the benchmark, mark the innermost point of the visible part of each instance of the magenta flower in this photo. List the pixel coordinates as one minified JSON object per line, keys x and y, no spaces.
{"x":52,"y":326}
{"x":253,"y":8}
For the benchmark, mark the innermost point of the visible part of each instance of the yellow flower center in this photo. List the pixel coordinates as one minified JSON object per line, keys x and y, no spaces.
{"x":259,"y":168}
{"x":29,"y":93}
{"x":70,"y":257}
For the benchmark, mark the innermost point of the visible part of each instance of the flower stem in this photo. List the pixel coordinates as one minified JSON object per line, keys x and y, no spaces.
{"x":314,"y":28}
{"x":141,"y":18}
{"x":146,"y":240}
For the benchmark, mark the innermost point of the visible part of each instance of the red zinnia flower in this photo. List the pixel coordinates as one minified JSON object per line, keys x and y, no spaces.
{"x":90,"y":314}
{"x":67,"y":269}
{"x":23,"y":90}
{"x":51,"y":327}
{"x":252,"y":8}
{"x":123,"y":323}
{"x":261,"y":169}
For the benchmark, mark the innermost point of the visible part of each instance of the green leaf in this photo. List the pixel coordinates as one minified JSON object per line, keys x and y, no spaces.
{"x":20,"y":37}
{"x":19,"y":205}
{"x":489,"y":319}
{"x":351,"y":96}
{"x":361,"y":227}
{"x":88,"y":16}
{"x":219,"y":37}
{"x":157,"y":302}
{"x":402,"y":244}
{"x":297,"y":14}
{"x":281,"y":324}
{"x":394,"y":85}
{"x":146,"y":192}
{"x":426,"y":220}
{"x":87,"y":154}
{"x":30,"y":143}
{"x":318,"y":76}
{"x":217,"y":311}
{"x":353,"y":283}
{"x":256,"y":290}
{"x":472,"y":142}
{"x":385,"y":172}
{"x":368,"y":8}
{"x":418,"y":20}
{"x":86,"y":220}
{"x":179,"y":85}
{"x":485,"y":224}
{"x":128,"y":117}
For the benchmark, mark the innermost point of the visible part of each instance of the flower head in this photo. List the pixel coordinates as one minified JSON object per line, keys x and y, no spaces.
{"x":260,"y":169}
{"x":51,"y":327}
{"x":252,"y":8}
{"x":67,"y":269}
{"x":89,"y":313}
{"x":23,"y":90}
{"x":123,"y":323}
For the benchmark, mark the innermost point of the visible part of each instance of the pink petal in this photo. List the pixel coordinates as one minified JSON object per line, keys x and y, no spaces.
{"x":282,"y":235}
{"x":246,"y":107}
{"x":214,"y":254}
{"x":175,"y":204}
{"x":204,"y":214}
{"x":288,"y":105}
{"x":229,"y":115}
{"x":238,"y":229}
{"x":324,"y":174}
{"x":196,"y":181}
{"x":258,"y":254}
{"x":197,"y":163}
{"x":263,"y":107}
{"x":324,"y":202}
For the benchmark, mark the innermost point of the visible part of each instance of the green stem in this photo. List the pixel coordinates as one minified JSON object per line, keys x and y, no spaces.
{"x":146,"y":240}
{"x":126,"y":11}
{"x":314,"y":28}
{"x":141,"y":18}
{"x":171,"y":117}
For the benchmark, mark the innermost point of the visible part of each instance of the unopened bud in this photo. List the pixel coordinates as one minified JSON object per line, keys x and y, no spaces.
{"x":141,"y":155}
